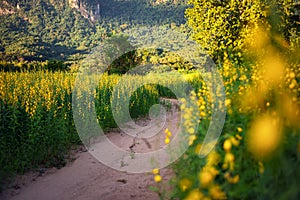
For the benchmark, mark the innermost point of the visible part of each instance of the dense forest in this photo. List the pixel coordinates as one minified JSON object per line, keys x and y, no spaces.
{"x":42,"y":30}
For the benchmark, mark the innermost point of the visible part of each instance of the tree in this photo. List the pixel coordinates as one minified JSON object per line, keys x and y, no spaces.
{"x":224,"y":26}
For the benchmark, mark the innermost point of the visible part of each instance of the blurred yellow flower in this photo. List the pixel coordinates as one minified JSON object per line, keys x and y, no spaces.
{"x":227,"y":145}
{"x":215,"y":192}
{"x":195,"y":195}
{"x":235,"y":179}
{"x":261,"y":167}
{"x":264,"y":136}
{"x":232,"y":180}
{"x":213,"y":158}
{"x":167,"y":140}
{"x":229,"y":157}
{"x":192,"y":138}
{"x":157,"y":178}
{"x":273,"y":68}
{"x":202,"y":114}
{"x":168,"y":133}
{"x":155,"y":171}
{"x":290,"y":110}
{"x":239,"y":129}
{"x":234,"y":141}
{"x":202,"y":107}
{"x":228,"y":161}
{"x":238,"y":137}
{"x":185,"y":184}
{"x":198,"y":148}
{"x":191,"y":130}
{"x":227,"y":102}
{"x":292,"y":75}
{"x":205,"y":178}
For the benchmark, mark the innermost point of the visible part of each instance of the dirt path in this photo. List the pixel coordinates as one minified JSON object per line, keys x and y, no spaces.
{"x":88,"y":179}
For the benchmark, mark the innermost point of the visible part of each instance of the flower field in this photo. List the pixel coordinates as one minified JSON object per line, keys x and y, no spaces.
{"x":258,"y":153}
{"x":256,"y":157}
{"x":251,"y":48}
{"x":37,"y":125}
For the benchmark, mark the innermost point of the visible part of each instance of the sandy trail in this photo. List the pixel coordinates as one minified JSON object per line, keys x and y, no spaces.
{"x":88,"y":179}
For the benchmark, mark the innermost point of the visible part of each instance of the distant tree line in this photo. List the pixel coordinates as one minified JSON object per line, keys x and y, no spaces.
{"x":51,"y":65}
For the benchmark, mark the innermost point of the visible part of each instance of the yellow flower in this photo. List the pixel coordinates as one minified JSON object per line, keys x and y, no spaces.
{"x":292,"y":75}
{"x":167,"y":140}
{"x":235,"y":179}
{"x":211,"y":170}
{"x":238,"y":137}
{"x":264,"y":136}
{"x":157,"y":178}
{"x":227,"y":145}
{"x":202,"y":114}
{"x":191,"y":130}
{"x":239,"y":129}
{"x":213,"y":158}
{"x":205,"y":178}
{"x":185,"y":184}
{"x":229,"y":157}
{"x":292,"y":85}
{"x":155,"y":171}
{"x":186,"y":116}
{"x":198,"y":148}
{"x":195,"y":195}
{"x":227,"y":102}
{"x":232,"y":180}
{"x":234,"y":141}
{"x":168,"y":133}
{"x":215,"y":192}
{"x":229,"y":161}
{"x":192,"y":138}
{"x":182,"y":106}
{"x":273,"y":69}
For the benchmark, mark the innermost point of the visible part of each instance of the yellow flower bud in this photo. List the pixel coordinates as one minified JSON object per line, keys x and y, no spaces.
{"x":185,"y":184}
{"x":167,"y":140}
{"x":229,"y":157}
{"x":239,"y":129}
{"x":155,"y":171}
{"x":227,"y":145}
{"x":157,"y":178}
{"x":227,"y":102}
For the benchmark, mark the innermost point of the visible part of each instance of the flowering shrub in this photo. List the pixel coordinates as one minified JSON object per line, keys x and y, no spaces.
{"x":257,"y":155}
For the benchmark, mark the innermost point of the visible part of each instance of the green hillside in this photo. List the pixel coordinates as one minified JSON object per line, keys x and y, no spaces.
{"x":65,"y":30}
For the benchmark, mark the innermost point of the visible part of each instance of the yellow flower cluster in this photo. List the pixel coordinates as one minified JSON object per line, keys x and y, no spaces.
{"x":157,"y":176}
{"x":168,"y":136}
{"x":207,"y":188}
{"x":33,"y":91}
{"x":189,"y":118}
